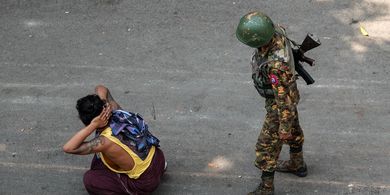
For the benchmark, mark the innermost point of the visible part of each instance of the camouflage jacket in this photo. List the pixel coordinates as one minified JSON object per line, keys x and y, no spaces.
{"x":273,"y":71}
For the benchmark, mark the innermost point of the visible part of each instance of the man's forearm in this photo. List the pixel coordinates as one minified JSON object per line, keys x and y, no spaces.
{"x":74,"y":143}
{"x":105,"y":95}
{"x":89,"y":147}
{"x":102,"y":92}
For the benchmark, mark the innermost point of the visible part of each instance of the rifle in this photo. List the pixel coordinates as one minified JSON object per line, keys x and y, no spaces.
{"x":310,"y":42}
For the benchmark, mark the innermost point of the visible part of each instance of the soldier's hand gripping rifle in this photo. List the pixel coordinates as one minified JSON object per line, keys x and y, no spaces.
{"x":310,"y":42}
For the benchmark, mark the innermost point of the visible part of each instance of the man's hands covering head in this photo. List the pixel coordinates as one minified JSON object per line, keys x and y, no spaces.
{"x":103,"y":118}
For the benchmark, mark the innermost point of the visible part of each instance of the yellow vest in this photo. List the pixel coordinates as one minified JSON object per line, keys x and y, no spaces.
{"x":139,"y":165}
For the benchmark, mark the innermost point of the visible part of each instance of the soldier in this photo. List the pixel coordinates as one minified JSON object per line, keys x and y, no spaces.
{"x":274,"y":77}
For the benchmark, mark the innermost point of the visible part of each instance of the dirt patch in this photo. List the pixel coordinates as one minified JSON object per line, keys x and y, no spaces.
{"x":3,"y":147}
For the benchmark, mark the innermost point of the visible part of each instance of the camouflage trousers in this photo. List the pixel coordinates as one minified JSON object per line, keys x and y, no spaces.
{"x":268,"y":144}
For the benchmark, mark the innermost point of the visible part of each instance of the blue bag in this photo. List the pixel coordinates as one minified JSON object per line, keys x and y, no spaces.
{"x":133,"y":126}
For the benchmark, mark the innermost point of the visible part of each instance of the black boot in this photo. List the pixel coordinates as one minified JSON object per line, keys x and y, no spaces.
{"x":295,"y":165}
{"x":266,"y":187}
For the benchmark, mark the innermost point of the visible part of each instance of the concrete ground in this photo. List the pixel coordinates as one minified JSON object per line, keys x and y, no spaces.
{"x":179,"y":64}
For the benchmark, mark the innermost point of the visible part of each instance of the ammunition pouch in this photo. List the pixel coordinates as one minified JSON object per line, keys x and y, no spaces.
{"x":265,"y":92}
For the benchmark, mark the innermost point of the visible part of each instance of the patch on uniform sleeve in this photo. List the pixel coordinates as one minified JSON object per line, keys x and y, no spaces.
{"x":274,"y":79}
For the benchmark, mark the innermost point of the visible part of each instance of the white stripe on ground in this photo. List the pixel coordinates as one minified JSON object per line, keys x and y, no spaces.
{"x":347,"y":85}
{"x":181,"y":71}
{"x":66,"y":101}
{"x":62,"y":168}
{"x":41,"y":85}
{"x":49,"y":101}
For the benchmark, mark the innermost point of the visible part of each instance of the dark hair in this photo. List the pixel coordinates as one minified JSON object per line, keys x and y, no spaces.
{"x":89,"y":107}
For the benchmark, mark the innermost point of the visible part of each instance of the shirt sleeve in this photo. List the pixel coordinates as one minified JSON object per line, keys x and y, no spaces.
{"x":281,"y":78}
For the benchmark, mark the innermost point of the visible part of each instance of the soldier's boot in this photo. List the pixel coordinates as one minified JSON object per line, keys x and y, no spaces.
{"x":295,"y":165}
{"x":266,"y":187}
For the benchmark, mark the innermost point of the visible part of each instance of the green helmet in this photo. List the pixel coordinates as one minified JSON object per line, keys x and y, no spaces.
{"x":255,"y":29}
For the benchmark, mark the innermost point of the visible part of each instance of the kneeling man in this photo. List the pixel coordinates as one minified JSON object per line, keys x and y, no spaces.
{"x":127,"y":158}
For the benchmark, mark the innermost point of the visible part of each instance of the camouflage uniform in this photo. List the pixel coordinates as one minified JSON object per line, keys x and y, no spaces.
{"x":274,"y":77}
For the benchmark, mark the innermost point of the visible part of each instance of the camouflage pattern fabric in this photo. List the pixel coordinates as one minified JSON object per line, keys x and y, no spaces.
{"x":282,"y":114}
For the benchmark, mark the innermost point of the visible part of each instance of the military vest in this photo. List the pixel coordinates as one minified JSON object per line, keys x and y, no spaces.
{"x":260,"y":64}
